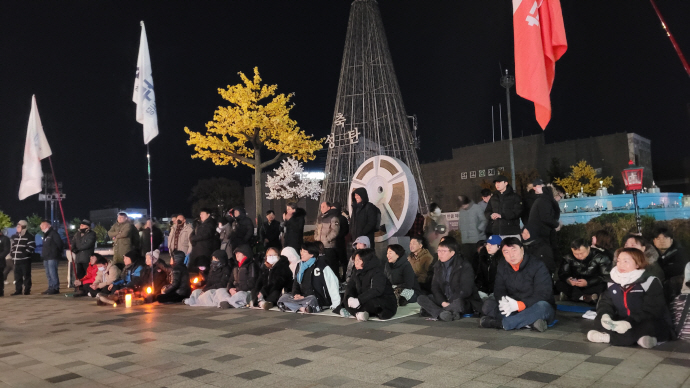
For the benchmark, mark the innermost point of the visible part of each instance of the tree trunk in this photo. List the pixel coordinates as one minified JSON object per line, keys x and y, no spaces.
{"x":258,"y":192}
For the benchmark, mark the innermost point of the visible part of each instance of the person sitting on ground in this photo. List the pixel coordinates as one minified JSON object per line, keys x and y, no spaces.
{"x":603,"y":242}
{"x":108,"y":273}
{"x":523,"y":292}
{"x":672,"y":259}
{"x":453,"y":291}
{"x":489,"y":257}
{"x":132,"y":275}
{"x":274,"y":279}
{"x":362,"y":242}
{"x":242,"y":278}
{"x":178,"y":288}
{"x":539,"y":248}
{"x":218,"y":278}
{"x":161,"y":276}
{"x":84,"y":284}
{"x":583,"y":273}
{"x":421,"y":260}
{"x":293,"y":257}
{"x":401,"y":275}
{"x":315,"y":287}
{"x":633,"y":308}
{"x":650,"y":254}
{"x":369,"y":292}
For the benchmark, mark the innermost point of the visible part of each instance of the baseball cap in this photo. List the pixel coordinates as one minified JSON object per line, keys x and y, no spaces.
{"x":494,"y":240}
{"x":501,"y":178}
{"x":538,"y":182}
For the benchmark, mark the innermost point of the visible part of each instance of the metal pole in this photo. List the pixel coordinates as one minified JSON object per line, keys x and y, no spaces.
{"x":500,"y":119}
{"x":45,"y":196}
{"x":637,"y":213}
{"x":148,"y":161}
{"x":507,"y":81}
{"x":57,"y":191}
{"x":686,"y":66}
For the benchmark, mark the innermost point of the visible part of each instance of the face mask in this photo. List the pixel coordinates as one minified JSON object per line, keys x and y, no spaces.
{"x":272,"y":259}
{"x":100,"y":269}
{"x":179,"y":222}
{"x":437,"y":211}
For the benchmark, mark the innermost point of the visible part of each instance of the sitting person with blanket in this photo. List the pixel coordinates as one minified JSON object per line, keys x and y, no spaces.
{"x":178,"y":287}
{"x":217,"y":280}
{"x":274,"y":278}
{"x":242,"y":279}
{"x":369,"y":292}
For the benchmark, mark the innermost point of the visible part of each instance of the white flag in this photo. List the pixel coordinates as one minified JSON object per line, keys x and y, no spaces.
{"x":35,"y":149}
{"x":144,"y":96}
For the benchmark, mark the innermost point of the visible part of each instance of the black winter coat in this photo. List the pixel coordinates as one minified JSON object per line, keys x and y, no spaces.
{"x":83,"y":246}
{"x":456,"y":287}
{"x":369,"y":284}
{"x":365,"y":216}
{"x":146,"y":240}
{"x":217,"y":277}
{"x":242,"y":230}
{"x":343,"y":232}
{"x":542,"y":251}
{"x":278,"y":278}
{"x":294,"y":229}
{"x":204,"y":243}
{"x":179,"y":282}
{"x":486,"y":273}
{"x":595,"y":268}
{"x":401,"y":274}
{"x":313,"y":283}
{"x":673,"y":261}
{"x":52,"y":245}
{"x":509,"y":206}
{"x":530,"y":284}
{"x":5,"y":245}
{"x":244,"y":278}
{"x":23,"y":246}
{"x":270,"y":232}
{"x":544,"y":215}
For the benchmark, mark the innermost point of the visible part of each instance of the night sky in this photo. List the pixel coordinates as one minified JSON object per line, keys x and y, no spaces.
{"x":620,"y":73}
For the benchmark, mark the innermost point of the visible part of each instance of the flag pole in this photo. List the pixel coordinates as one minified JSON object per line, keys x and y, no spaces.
{"x":148,"y":161}
{"x":64,"y":223}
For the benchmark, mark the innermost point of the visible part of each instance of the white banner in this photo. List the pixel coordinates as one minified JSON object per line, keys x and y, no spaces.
{"x":35,"y":149}
{"x":144,"y":96}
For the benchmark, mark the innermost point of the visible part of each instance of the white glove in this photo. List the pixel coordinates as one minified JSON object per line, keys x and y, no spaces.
{"x":507,"y":305}
{"x":353,"y":303}
{"x":619,"y":327}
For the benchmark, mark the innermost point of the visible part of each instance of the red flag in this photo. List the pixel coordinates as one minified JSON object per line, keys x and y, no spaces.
{"x":539,"y":43}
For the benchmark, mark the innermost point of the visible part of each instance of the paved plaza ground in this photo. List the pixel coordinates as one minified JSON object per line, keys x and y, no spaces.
{"x":70,"y":342}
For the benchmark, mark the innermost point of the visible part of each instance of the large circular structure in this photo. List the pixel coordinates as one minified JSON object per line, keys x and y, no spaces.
{"x":392,"y":188}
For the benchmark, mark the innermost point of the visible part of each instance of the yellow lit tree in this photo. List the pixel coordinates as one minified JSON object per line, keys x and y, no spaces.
{"x":256,"y":119}
{"x":583,"y":176}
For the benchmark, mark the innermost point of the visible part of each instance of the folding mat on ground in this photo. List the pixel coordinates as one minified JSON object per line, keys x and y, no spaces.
{"x":404,"y":311}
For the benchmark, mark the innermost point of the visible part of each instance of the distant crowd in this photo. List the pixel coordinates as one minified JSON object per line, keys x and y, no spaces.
{"x":505,"y":267}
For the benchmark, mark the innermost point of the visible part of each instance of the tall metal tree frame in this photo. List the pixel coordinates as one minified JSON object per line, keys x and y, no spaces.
{"x":369,"y":117}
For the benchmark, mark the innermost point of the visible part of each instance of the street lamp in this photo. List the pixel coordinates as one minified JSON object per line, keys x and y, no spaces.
{"x":632,"y":177}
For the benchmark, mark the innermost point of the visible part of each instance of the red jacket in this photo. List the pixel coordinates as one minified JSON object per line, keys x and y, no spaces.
{"x":91,"y":272}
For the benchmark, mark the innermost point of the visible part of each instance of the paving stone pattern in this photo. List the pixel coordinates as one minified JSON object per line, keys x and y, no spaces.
{"x":48,"y":341}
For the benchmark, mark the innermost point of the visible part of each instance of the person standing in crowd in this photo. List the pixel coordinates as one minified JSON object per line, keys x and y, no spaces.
{"x":489,"y":257}
{"x":544,"y":213}
{"x":51,"y":253}
{"x":243,"y":278}
{"x":178,"y":288}
{"x":401,"y":275}
{"x":539,"y":248}
{"x":486,"y":196}
{"x":5,"y":245}
{"x":417,"y":228}
{"x":472,"y":224}
{"x":178,"y":239}
{"x":223,"y":229}
{"x":365,"y":216}
{"x":294,"y":226}
{"x":204,"y":243}
{"x":633,"y":309}
{"x":23,"y":245}
{"x":315,"y":286}
{"x":327,"y":229}
{"x":269,"y":233}
{"x":121,"y":233}
{"x":453,"y":291}
{"x":433,"y":227}
{"x":421,"y":259}
{"x":83,"y":245}
{"x":274,"y":279}
{"x":534,"y":190}
{"x":523,"y":292}
{"x":242,"y":229}
{"x":150,"y":227}
{"x":504,"y":209}
{"x":340,"y":244}
{"x":583,"y":273}
{"x":369,"y":292}
{"x":672,"y":258}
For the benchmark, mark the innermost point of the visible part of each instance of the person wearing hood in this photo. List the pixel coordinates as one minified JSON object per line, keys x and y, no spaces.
{"x":489,"y":257}
{"x":401,"y":275}
{"x":544,"y":213}
{"x":107,"y":273}
{"x":204,"y":241}
{"x":217,"y":280}
{"x":275,"y":278}
{"x":650,"y":254}
{"x":633,"y":309}
{"x":294,"y":226}
{"x":178,"y":287}
{"x":362,"y":242}
{"x":583,"y":273}
{"x":504,"y":209}
{"x":269,"y":232}
{"x":538,"y":248}
{"x":453,"y":292}
{"x":293,"y":257}
{"x":242,"y":229}
{"x":83,"y":245}
{"x":369,"y":292}
{"x":327,"y":229}
{"x":242,"y":278}
{"x":315,"y":286}
{"x":365,"y":217}
{"x":421,"y":260}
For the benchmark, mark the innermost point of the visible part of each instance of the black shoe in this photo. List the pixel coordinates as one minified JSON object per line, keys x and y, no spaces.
{"x":309,"y":310}
{"x":402,"y":301}
{"x":488,"y":322}
{"x":225,"y":305}
{"x":16,"y":293}
{"x":53,"y":292}
{"x":46,"y":292}
{"x":27,"y":292}
{"x":446,"y":316}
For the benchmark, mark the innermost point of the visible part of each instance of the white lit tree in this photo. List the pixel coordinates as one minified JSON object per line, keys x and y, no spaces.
{"x":290,"y":182}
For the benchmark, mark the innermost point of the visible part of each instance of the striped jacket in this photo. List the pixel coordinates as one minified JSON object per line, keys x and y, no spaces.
{"x":23,"y":246}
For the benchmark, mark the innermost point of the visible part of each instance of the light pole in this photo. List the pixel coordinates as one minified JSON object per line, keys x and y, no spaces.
{"x":507,"y":81}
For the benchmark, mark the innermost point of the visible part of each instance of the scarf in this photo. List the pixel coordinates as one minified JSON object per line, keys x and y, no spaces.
{"x":625,"y":279}
{"x":176,"y":239}
{"x":303,"y":267}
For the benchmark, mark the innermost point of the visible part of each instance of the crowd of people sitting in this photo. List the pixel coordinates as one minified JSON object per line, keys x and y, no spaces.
{"x":509,"y":281}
